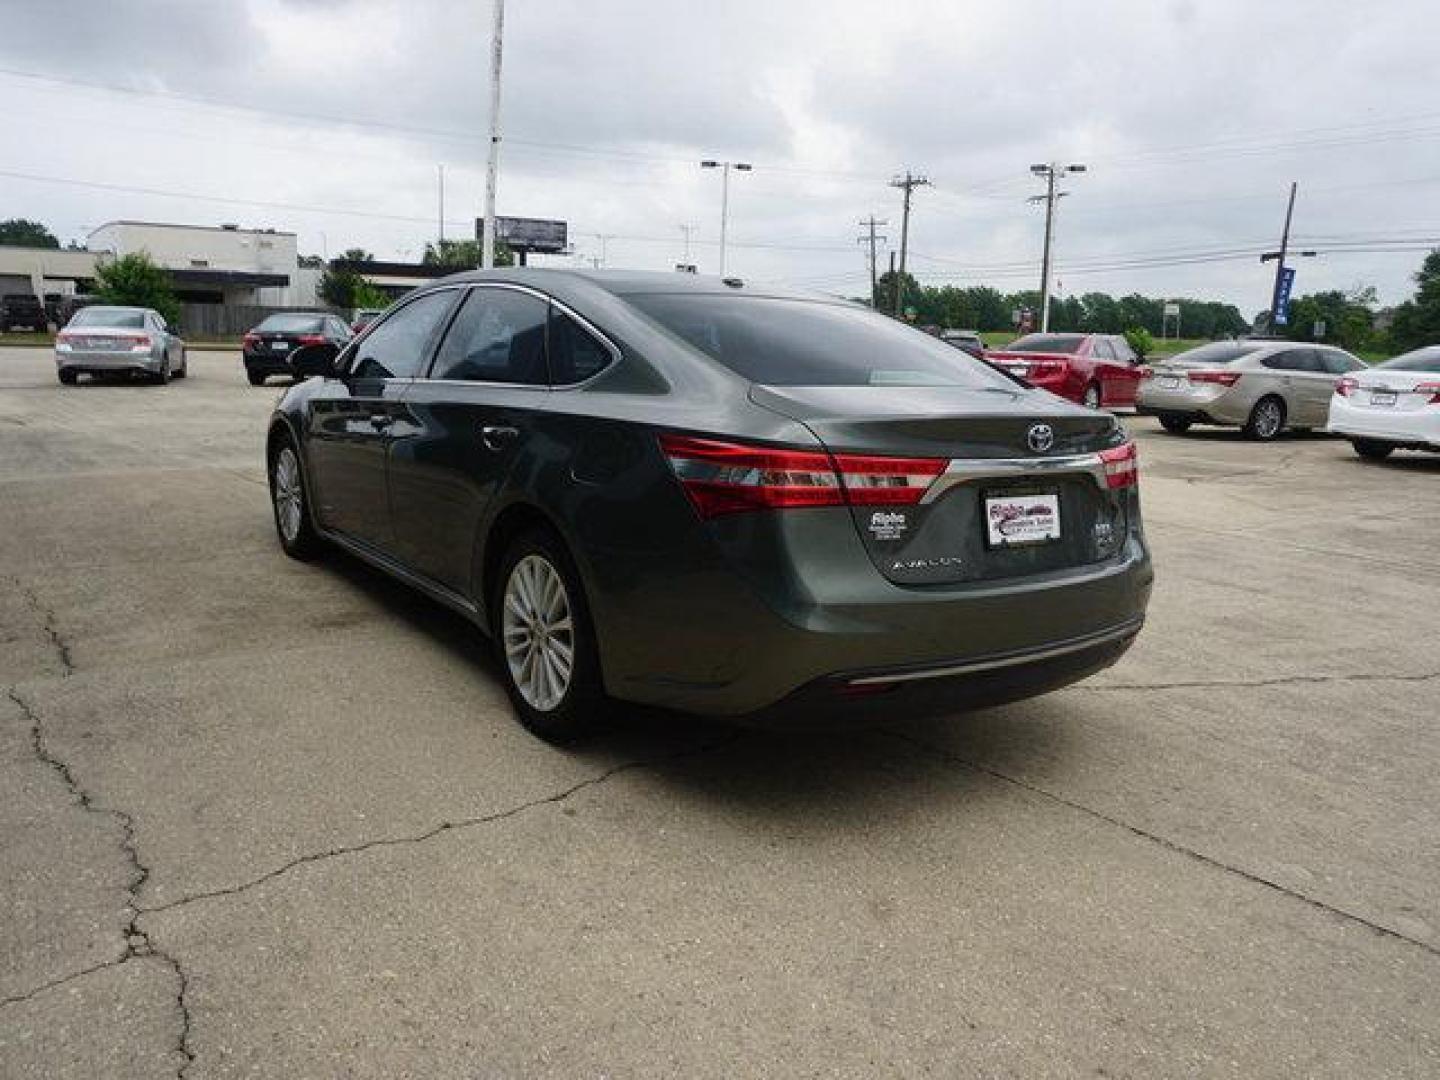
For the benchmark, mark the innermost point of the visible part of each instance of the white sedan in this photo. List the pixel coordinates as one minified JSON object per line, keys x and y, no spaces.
{"x":1391,"y":406}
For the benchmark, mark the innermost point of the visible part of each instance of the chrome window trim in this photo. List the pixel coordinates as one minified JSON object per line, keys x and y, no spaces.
{"x":343,"y":361}
{"x":968,"y":470}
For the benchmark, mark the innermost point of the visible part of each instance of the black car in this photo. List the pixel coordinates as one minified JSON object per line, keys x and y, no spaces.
{"x":674,"y":490}
{"x":267,"y":348}
{"x":22,"y":311}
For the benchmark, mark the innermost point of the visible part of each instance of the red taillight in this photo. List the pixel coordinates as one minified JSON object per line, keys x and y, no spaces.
{"x":1345,"y":387}
{"x":64,"y":336}
{"x":137,"y":341}
{"x":1039,"y":369}
{"x":311,"y":339}
{"x":1222,"y":378}
{"x":726,"y":477}
{"x":1122,"y":466}
{"x":1431,"y":388}
{"x":1147,"y":373}
{"x":250,"y":340}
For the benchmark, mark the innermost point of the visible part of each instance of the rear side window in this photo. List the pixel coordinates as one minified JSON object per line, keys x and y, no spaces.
{"x":812,"y":343}
{"x":399,"y":347}
{"x":1426,"y":359}
{"x":575,"y":353}
{"x":1104,"y":350}
{"x":498,"y":337}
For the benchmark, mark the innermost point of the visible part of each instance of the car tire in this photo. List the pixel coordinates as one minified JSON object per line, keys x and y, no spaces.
{"x":534,"y":627}
{"x":1371,"y":450}
{"x":290,"y":500}
{"x":162,"y":377}
{"x":1175,"y":424}
{"x":1091,"y":397}
{"x":68,"y":377}
{"x":256,"y":378}
{"x":1266,"y":420}
{"x":184,"y":366}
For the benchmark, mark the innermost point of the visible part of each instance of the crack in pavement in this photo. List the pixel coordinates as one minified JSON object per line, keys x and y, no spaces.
{"x":1166,"y":843}
{"x":1257,"y":684}
{"x":446,"y":826}
{"x":137,"y":942}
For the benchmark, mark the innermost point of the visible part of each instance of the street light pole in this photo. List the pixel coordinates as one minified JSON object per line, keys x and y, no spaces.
{"x":492,"y":165}
{"x":725,"y":167}
{"x":1050,"y":172}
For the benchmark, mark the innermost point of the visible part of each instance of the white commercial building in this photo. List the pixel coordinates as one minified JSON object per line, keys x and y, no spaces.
{"x":217,"y":264}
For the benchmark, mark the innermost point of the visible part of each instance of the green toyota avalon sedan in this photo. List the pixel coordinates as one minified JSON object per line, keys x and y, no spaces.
{"x":717,"y":498}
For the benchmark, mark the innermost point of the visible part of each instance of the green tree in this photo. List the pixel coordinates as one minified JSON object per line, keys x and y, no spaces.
{"x":884,"y":299}
{"x":1344,"y":319}
{"x":1140,"y":339}
{"x":464,"y":254}
{"x":337,"y":286}
{"x":19,"y":232}
{"x":1417,"y":321}
{"x":366,"y":295}
{"x":356,"y":255}
{"x":135,"y":281}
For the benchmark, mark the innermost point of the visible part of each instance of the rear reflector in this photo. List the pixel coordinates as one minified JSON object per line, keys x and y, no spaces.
{"x":1431,"y":388}
{"x":722,"y":477}
{"x":1122,"y":466}
{"x":1223,"y":378}
{"x":312,"y":339}
{"x":1346,"y":386}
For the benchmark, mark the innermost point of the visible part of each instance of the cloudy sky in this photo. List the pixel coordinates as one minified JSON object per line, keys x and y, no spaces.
{"x":329,"y":118}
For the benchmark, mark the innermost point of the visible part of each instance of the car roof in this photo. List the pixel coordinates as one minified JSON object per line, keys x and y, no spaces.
{"x":634,"y":283}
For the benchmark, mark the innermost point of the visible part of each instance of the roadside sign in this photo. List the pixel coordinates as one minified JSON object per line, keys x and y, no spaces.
{"x":529,"y":234}
{"x":1172,"y":309}
{"x":1282,"y":296}
{"x":1319,"y":329}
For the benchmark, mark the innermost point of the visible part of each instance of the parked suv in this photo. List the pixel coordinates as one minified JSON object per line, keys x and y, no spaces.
{"x":19,"y":310}
{"x":1260,"y":386}
{"x":1095,"y":370}
{"x":267,"y":348}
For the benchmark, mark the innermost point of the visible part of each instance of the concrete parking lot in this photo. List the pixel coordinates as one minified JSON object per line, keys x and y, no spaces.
{"x":269,"y":819}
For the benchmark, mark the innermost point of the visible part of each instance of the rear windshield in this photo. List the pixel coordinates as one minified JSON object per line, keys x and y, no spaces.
{"x":99,"y":316}
{"x":292,"y":324}
{"x":811,"y":343}
{"x":1218,"y":352}
{"x":1056,"y":343}
{"x":1426,"y":359}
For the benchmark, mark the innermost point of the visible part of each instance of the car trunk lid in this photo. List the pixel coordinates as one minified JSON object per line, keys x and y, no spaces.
{"x":1021,"y":489}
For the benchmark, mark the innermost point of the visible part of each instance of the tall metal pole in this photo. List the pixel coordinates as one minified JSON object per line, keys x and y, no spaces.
{"x":1045,"y":258}
{"x":724,"y":210}
{"x":492,"y":166}
{"x":1280,"y":263}
{"x":440,"y":169}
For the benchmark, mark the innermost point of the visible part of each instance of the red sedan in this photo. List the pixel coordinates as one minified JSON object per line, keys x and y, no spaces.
{"x":1098,"y":370}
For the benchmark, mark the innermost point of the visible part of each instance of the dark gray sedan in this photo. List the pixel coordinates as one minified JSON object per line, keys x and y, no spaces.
{"x":716,"y":498}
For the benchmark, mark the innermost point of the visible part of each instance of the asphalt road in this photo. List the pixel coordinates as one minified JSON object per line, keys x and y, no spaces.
{"x":260,"y":818}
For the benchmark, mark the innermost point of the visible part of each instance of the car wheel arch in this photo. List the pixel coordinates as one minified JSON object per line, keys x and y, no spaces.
{"x":511,"y":521}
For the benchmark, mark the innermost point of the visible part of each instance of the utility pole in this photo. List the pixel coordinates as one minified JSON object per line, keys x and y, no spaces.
{"x":908,"y":183}
{"x":1049,"y":172}
{"x":440,"y":170}
{"x":604,"y":239}
{"x":1279,"y":258}
{"x":492,"y":165}
{"x":687,"y":230}
{"x":872,"y":239}
{"x":725,"y":167}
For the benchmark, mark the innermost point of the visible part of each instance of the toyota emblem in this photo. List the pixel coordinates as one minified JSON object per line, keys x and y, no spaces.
{"x":1041,"y":437}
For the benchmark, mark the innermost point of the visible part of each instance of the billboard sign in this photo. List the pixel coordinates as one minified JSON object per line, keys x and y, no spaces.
{"x":529,"y":234}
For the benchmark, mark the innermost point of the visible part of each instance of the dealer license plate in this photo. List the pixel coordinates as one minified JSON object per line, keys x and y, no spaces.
{"x":1014,"y":520}
{"x":1169,"y":382}
{"x":1382,"y":397}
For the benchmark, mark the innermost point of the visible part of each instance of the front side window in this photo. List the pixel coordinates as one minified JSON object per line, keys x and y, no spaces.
{"x":498,"y":337}
{"x":399,"y":347}
{"x":813,"y":343}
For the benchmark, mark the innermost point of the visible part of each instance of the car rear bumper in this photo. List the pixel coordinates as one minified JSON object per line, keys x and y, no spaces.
{"x":737,"y":644}
{"x":1417,"y":427}
{"x":268,"y":364}
{"x":97,"y":360}
{"x":1206,"y":404}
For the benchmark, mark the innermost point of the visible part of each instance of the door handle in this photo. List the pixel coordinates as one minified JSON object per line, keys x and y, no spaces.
{"x":497,"y":438}
{"x":380,"y":421}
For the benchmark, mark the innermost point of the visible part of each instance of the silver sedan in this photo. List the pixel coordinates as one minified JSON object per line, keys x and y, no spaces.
{"x":129,"y":340}
{"x":1260,"y":386}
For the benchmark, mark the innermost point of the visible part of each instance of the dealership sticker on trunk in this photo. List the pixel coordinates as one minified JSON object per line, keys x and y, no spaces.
{"x":1022,"y":519}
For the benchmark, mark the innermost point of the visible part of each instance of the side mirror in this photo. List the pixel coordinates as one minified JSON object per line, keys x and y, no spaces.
{"x":314,"y":360}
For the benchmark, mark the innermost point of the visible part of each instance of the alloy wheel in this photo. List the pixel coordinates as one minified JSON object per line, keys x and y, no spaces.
{"x":537,"y":626}
{"x":289,"y":495}
{"x":1268,"y":419}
